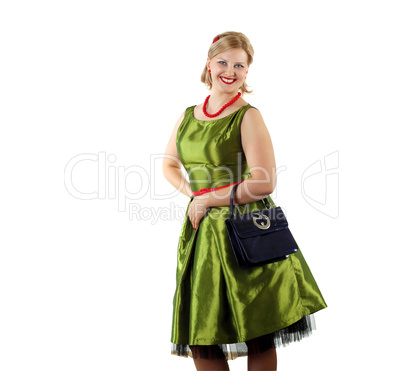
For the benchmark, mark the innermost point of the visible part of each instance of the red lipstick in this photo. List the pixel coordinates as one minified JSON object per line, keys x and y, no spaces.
{"x":227,"y":82}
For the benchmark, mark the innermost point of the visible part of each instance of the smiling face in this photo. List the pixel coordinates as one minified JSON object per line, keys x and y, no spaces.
{"x":228,"y":70}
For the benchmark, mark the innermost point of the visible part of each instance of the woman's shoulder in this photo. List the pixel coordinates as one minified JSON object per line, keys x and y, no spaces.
{"x":252,"y":110}
{"x":252,"y":118}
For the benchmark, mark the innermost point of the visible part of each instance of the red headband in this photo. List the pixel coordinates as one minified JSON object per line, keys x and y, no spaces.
{"x":216,"y":39}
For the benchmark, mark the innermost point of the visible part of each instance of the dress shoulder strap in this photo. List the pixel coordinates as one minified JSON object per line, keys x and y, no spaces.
{"x":187,"y":117}
{"x":189,"y":111}
{"x":250,"y":106}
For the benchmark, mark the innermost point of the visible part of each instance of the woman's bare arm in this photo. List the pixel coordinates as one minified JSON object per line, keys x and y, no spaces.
{"x":259,"y":152}
{"x":172,"y":165}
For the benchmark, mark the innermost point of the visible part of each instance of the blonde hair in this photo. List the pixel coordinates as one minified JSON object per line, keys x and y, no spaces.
{"x":228,"y":40}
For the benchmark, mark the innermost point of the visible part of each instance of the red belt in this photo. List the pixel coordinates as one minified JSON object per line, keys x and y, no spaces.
{"x":205,"y":190}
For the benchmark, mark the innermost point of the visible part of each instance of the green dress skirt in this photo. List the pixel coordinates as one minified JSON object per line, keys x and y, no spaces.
{"x":230,"y":311}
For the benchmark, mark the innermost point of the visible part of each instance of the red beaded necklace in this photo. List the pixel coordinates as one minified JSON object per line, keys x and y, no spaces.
{"x":225,"y":106}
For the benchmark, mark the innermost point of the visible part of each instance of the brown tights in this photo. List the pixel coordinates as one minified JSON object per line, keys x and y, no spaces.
{"x":264,"y":361}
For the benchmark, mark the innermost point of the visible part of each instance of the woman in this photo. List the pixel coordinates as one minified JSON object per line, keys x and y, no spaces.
{"x":221,"y":312}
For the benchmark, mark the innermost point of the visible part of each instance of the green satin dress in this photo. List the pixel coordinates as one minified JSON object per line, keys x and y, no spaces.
{"x":216,"y":302}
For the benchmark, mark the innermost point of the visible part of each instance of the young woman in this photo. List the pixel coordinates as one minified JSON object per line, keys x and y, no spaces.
{"x":221,"y":312}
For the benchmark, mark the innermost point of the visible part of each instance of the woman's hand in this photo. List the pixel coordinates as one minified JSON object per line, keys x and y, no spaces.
{"x":197,"y":209}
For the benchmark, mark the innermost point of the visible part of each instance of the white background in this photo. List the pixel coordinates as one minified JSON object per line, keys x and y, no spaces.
{"x":83,"y":287}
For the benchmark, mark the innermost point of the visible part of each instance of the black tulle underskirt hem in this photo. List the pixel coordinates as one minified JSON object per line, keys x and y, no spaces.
{"x":295,"y":332}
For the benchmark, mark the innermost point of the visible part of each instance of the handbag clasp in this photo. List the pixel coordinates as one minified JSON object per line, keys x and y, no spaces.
{"x":263,"y":225}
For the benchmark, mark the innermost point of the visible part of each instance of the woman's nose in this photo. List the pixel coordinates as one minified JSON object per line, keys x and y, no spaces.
{"x":230,"y":71}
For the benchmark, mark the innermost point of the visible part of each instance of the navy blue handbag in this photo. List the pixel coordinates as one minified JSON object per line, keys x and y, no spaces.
{"x":259,"y":237}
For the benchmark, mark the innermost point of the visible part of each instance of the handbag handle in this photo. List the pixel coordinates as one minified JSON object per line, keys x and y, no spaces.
{"x":265,"y":200}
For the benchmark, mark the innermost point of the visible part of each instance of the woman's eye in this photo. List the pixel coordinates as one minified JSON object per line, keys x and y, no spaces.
{"x":223,"y":62}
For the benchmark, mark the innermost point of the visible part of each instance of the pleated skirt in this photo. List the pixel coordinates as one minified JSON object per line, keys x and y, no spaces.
{"x":222,"y":311}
